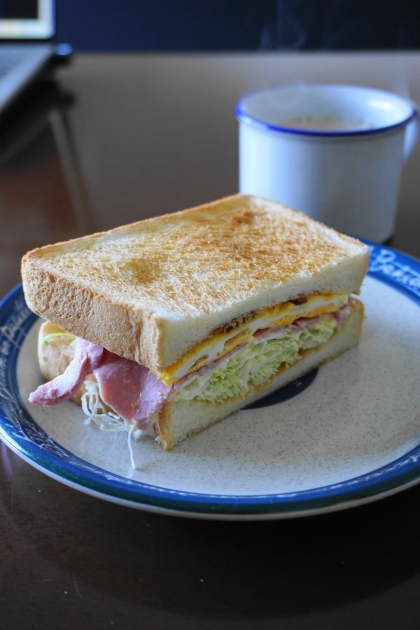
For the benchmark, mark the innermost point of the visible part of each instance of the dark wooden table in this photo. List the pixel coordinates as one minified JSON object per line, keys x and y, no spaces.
{"x":121,"y":138}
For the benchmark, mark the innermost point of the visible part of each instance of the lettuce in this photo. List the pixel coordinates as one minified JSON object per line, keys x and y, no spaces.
{"x":255,"y":363}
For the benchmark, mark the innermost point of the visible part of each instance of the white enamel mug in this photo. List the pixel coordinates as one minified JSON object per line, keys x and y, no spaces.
{"x":334,"y":152}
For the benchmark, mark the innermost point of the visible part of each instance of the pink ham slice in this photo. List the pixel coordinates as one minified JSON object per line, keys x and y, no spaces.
{"x":305,"y":322}
{"x":87,"y":357}
{"x":131,"y":389}
{"x":341,"y":315}
{"x":299,"y":324}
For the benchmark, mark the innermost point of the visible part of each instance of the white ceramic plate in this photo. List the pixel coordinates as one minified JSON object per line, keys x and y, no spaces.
{"x":346,"y":434}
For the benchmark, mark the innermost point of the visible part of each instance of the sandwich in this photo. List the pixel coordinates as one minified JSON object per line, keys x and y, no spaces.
{"x":169,"y":325}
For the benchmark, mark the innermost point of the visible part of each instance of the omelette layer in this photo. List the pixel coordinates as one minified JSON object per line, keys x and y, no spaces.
{"x":227,"y":338}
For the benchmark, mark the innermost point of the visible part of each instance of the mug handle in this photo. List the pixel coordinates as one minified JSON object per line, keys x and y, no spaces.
{"x":412,"y":131}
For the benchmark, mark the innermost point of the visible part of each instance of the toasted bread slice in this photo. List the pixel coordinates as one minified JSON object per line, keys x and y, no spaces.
{"x":151,"y":290}
{"x":179,"y":419}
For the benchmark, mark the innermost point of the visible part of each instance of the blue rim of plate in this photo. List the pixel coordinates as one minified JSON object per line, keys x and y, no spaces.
{"x":261,"y":124}
{"x":19,"y":431}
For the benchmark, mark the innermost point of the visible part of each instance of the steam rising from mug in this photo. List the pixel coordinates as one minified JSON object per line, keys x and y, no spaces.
{"x":334,"y":152}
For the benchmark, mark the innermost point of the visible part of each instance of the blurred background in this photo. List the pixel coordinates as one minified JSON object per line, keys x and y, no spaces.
{"x":211,"y":25}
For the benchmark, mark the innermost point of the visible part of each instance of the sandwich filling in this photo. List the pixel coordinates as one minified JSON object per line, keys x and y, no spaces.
{"x":239,"y":331}
{"x":231,"y":363}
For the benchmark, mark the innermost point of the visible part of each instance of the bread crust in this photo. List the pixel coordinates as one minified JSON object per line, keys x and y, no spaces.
{"x":151,"y":290}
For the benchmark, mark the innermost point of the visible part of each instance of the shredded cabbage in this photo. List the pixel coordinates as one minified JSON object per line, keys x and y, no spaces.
{"x":94,"y":408}
{"x":255,"y":363}
{"x":108,"y":421}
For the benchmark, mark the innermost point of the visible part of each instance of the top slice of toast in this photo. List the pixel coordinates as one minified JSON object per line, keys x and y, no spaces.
{"x":150,"y":290}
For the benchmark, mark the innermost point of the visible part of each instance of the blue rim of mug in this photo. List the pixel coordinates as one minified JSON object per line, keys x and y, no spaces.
{"x":255,"y":122}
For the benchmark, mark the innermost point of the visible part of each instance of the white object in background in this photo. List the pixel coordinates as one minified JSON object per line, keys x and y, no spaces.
{"x":334,"y":152}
